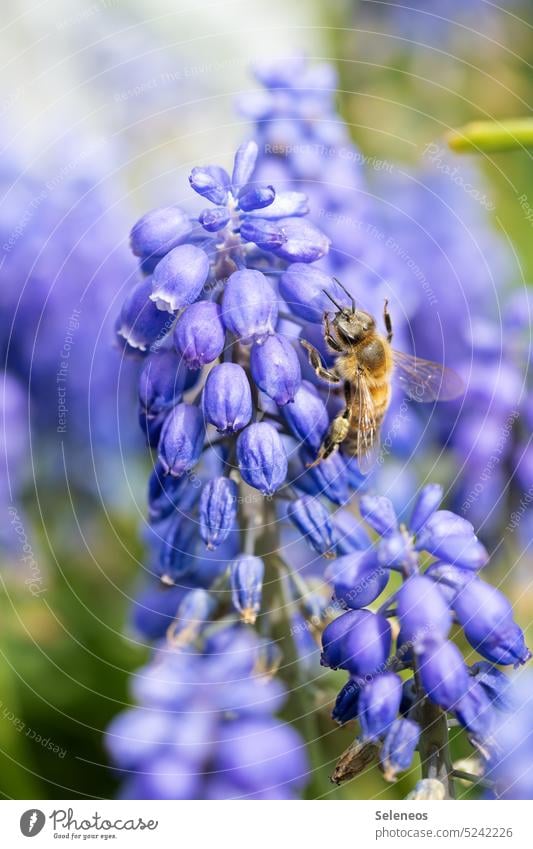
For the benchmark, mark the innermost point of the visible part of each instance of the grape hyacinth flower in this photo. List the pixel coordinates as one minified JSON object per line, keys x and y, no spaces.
{"x":227,"y":414}
{"x":439,"y":558}
{"x":204,"y":725}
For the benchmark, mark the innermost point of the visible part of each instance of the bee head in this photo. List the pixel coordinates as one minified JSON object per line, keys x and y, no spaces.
{"x":351,"y":324}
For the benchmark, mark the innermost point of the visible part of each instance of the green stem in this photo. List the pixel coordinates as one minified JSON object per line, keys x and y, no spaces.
{"x":492,"y":137}
{"x":434,"y":748}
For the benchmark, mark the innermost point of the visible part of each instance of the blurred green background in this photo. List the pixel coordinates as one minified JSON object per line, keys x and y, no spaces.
{"x":65,"y":656}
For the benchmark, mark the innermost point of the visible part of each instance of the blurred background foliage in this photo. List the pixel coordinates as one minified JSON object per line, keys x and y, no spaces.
{"x":147,"y":82}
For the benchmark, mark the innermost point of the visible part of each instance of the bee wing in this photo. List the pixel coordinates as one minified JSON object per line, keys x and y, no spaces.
{"x":423,"y":380}
{"x":365,"y":424}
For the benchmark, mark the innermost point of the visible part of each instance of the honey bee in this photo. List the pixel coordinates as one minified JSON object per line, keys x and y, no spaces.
{"x":364,"y":366}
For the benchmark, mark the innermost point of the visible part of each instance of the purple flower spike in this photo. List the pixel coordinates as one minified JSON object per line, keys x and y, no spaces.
{"x":249,"y":305}
{"x":487,"y":619}
{"x":246,"y":575}
{"x":427,"y":502}
{"x":358,"y":641}
{"x":227,"y":398}
{"x":210,"y":182}
{"x":182,"y":440}
{"x":443,"y":673}
{"x":347,"y":701}
{"x":307,"y":416}
{"x":357,"y":578}
{"x":218,"y":510}
{"x":276,"y":368}
{"x":302,"y":241}
{"x":244,"y":164}
{"x":160,"y":230}
{"x":140,"y":323}
{"x":423,"y":611}
{"x":379,"y":513}
{"x":261,"y":457}
{"x":314,"y":523}
{"x":302,"y":287}
{"x":179,"y":277}
{"x":379,"y":704}
{"x":199,"y":334}
{"x":399,"y":747}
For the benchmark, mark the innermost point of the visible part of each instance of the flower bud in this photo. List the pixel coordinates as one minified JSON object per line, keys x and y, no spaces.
{"x":350,"y":533}
{"x":475,"y":712}
{"x":276,"y":368}
{"x":266,"y":235}
{"x":179,"y":277}
{"x":254,"y":196}
{"x":347,"y":701}
{"x":399,"y":747}
{"x":307,"y":416}
{"x":328,"y":478}
{"x":358,"y":641}
{"x":244,"y":164}
{"x":192,"y":615}
{"x":284,"y":205}
{"x":160,"y":230}
{"x":357,"y":578}
{"x":140,"y":323}
{"x":182,"y":439}
{"x":261,"y":457}
{"x":176,"y":539}
{"x":443,"y":673}
{"x":395,"y":550}
{"x":378,"y":511}
{"x":428,"y":790}
{"x":210,"y":182}
{"x":249,"y":305}
{"x":302,"y":241}
{"x":164,"y":494}
{"x":218,"y":510}
{"x":246,"y":575}
{"x":314,"y":522}
{"x":214,"y":219}
{"x":495,"y":683}
{"x":379,"y":704}
{"x":199,"y":334}
{"x":227,"y":398}
{"x":427,"y":502}
{"x":303,"y":288}
{"x":422,"y":610}
{"x":161,"y":382}
{"x":452,"y":538}
{"x":487,"y":619}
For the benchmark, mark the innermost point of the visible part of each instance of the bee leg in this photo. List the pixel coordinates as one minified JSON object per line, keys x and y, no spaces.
{"x":338,"y":429}
{"x":316,"y":362}
{"x":329,"y":337}
{"x":388,"y":321}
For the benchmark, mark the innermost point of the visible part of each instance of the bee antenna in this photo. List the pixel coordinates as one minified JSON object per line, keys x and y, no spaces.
{"x":333,"y":301}
{"x":344,"y":289}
